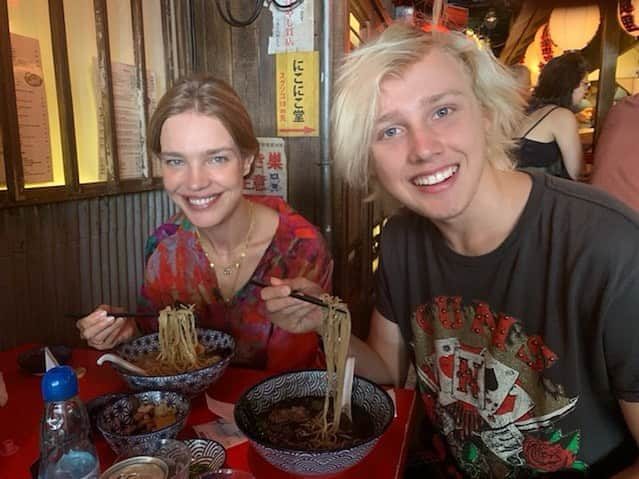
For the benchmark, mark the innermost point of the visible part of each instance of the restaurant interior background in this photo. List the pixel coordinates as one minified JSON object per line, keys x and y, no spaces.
{"x":79,"y":78}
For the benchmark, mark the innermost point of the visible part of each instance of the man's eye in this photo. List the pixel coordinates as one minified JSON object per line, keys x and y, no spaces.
{"x":442,"y":112}
{"x":390,"y":132}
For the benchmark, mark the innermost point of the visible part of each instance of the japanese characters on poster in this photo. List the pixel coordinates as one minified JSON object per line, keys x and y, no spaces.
{"x":297,"y":98}
{"x":269,"y":175}
{"x":33,"y":116}
{"x":293,"y":30}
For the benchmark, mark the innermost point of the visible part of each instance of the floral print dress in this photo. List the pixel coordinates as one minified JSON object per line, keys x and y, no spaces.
{"x":177,"y":270}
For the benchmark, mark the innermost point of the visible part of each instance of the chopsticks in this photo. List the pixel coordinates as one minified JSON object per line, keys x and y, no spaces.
{"x":297,"y":295}
{"x":120,"y":314}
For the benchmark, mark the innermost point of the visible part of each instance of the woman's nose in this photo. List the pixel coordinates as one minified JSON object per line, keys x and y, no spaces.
{"x":197,"y":178}
{"x":424,"y":144}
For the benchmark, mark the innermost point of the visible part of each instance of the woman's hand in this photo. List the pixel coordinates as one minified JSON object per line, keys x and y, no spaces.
{"x":103,"y":331}
{"x":292,"y":314}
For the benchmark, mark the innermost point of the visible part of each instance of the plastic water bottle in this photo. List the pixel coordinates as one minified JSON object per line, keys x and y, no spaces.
{"x":66,"y":450}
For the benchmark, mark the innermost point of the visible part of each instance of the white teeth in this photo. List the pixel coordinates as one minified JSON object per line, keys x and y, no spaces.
{"x":200,"y":201}
{"x":436,"y":178}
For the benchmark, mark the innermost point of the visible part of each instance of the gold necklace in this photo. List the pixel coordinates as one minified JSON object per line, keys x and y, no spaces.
{"x":234,"y":265}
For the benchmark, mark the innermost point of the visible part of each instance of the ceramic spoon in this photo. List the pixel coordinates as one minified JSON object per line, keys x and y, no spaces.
{"x":112,"y":358}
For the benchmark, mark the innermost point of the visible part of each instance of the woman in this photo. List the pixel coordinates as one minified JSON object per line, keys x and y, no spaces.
{"x":206,"y":255}
{"x":548,"y":138}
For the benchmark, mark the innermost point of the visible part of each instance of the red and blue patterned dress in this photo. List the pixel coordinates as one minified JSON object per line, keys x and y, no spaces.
{"x":178,"y":270}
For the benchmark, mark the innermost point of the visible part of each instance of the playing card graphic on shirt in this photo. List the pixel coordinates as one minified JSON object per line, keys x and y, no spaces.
{"x":492,"y":401}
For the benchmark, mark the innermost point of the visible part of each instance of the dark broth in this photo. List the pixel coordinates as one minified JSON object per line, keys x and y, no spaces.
{"x":297,"y":424}
{"x":154,"y":367}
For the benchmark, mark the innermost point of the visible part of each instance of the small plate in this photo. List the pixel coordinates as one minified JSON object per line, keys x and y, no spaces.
{"x":206,"y":456}
{"x":32,"y":360}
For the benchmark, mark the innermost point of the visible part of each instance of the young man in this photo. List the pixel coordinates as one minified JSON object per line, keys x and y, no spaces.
{"x":514,"y":294}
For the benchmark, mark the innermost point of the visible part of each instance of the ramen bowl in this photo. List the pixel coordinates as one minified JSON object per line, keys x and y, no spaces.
{"x":189,"y":383}
{"x":369,"y":397}
{"x":119,"y":419}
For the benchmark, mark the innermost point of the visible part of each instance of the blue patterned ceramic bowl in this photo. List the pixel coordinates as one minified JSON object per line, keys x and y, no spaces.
{"x":206,"y":455}
{"x":190,"y":383}
{"x":367,"y":395}
{"x":117,"y":416}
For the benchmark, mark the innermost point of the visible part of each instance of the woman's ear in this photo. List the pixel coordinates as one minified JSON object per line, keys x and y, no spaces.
{"x":248,"y":165}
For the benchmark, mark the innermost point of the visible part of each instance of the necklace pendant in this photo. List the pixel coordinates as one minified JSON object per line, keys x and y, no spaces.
{"x":226,"y":271}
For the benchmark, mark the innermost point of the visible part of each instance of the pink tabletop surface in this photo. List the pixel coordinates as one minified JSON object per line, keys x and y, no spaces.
{"x":20,"y":420}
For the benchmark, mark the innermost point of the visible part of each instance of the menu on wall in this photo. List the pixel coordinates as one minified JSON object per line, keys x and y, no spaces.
{"x":269,"y":175}
{"x":129,"y":120}
{"x":33,"y":116}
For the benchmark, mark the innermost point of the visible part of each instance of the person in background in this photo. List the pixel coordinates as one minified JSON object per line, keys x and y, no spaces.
{"x":522,"y":76}
{"x":548,"y":138}
{"x":616,"y":160}
{"x":205,"y":256}
{"x":512,"y":293}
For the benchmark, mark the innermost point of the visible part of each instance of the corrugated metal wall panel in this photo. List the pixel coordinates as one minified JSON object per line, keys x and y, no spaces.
{"x":70,"y":257}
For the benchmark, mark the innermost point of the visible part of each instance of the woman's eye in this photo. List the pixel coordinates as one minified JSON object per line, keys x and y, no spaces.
{"x":217,"y":159}
{"x":173,"y":162}
{"x":442,"y":112}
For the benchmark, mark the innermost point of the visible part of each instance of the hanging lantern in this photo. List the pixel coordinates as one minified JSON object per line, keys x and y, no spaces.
{"x":540,"y":50}
{"x":572,"y":28}
{"x":628,"y":14}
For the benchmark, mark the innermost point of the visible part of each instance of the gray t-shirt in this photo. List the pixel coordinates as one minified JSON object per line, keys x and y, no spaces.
{"x":522,"y":353}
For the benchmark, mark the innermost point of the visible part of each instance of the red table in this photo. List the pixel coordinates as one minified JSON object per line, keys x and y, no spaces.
{"x":20,"y":420}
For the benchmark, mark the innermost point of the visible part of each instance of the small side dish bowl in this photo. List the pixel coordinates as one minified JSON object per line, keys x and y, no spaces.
{"x":206,"y":456}
{"x":32,"y":361}
{"x":189,"y":383}
{"x":370,"y":398}
{"x":123,"y":422}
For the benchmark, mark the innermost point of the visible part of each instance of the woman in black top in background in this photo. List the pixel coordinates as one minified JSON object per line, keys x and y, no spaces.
{"x":549,"y":137}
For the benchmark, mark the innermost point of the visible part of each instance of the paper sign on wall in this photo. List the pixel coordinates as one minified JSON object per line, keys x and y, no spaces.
{"x":269,"y":175}
{"x":293,"y":30}
{"x":297,"y":81}
{"x":33,"y":115}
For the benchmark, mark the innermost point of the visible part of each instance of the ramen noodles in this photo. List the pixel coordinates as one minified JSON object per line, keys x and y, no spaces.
{"x":179,"y":349}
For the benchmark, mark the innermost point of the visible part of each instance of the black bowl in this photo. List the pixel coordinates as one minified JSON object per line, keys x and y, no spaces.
{"x":32,"y":360}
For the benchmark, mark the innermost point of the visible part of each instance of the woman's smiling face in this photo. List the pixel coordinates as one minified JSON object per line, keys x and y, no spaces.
{"x":202,"y":167}
{"x":429,"y":138}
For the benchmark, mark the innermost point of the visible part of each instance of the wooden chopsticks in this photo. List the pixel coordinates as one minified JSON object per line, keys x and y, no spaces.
{"x":121,"y":314}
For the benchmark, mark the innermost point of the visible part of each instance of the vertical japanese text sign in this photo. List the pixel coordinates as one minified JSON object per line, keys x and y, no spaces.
{"x":269,"y":176}
{"x":297,"y":76}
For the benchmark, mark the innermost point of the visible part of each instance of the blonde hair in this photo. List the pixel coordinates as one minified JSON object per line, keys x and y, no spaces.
{"x":392,"y":53}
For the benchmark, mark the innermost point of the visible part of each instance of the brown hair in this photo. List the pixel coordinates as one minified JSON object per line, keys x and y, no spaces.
{"x":211,"y":97}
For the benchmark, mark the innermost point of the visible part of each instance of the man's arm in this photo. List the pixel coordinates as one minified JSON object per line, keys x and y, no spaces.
{"x":630,"y":412}
{"x":383,"y":358}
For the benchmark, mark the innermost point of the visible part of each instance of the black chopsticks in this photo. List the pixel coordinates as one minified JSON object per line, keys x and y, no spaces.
{"x":297,"y":295}
{"x":121,"y":314}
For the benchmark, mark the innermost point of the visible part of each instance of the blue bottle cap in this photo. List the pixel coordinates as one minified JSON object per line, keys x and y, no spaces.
{"x":59,"y":384}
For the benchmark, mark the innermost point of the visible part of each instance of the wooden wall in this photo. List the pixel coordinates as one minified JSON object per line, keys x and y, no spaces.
{"x":71,"y":256}
{"x":239,"y":56}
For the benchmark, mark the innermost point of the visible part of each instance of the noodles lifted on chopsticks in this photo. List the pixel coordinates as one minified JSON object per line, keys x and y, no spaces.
{"x":178,"y":345}
{"x":336,"y":333}
{"x":313,"y":423}
{"x":178,"y":338}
